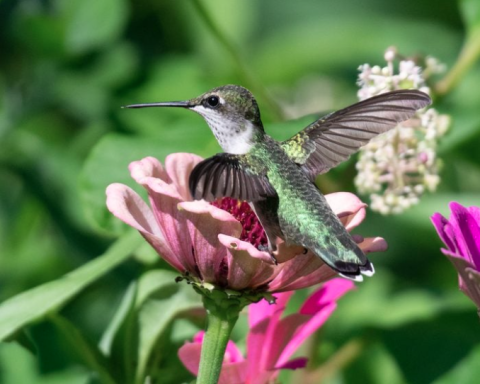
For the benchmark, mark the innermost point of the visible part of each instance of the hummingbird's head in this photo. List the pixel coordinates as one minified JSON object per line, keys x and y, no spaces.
{"x":231,"y":113}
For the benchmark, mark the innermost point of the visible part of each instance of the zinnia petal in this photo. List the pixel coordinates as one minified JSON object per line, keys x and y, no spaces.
{"x":373,"y":244}
{"x":349,"y":208}
{"x":314,"y":312}
{"x":204,"y":223}
{"x":246,"y":265}
{"x":302,"y":271}
{"x":129,"y":207}
{"x":234,"y":368}
{"x":299,"y":362}
{"x":148,"y":167}
{"x":178,"y":167}
{"x":263,"y":321}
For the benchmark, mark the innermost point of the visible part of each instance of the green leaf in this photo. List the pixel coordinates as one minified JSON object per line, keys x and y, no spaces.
{"x":17,"y":366}
{"x":146,"y":312}
{"x":89,"y":354}
{"x":471,"y":14}
{"x":154,"y":318}
{"x":432,"y":203}
{"x":438,"y":345}
{"x":465,"y":129}
{"x":93,"y":24}
{"x":34,"y":304}
{"x":466,"y":371}
{"x":81,"y":95}
{"x":115,"y":67}
{"x":317,"y":54}
{"x":376,"y":304}
{"x":374,"y":365}
{"x":123,"y":311}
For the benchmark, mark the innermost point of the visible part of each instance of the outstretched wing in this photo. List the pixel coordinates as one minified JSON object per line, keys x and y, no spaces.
{"x":227,"y":175}
{"x":333,"y":138}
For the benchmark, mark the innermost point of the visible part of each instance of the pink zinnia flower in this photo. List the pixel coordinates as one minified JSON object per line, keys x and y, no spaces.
{"x":461,"y":235}
{"x":218,"y":243}
{"x":272,"y":340}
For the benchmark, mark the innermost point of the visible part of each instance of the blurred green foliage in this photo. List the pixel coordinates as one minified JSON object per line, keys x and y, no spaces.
{"x":67,"y":66}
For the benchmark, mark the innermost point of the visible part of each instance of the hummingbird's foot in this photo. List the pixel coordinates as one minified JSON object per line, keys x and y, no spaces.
{"x":274,"y":259}
{"x":266,"y":248}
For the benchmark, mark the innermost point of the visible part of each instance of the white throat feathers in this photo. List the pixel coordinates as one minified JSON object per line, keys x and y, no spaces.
{"x":234,"y":137}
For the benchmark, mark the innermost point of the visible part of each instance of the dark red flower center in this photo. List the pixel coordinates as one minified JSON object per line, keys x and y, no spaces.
{"x":252,"y":230}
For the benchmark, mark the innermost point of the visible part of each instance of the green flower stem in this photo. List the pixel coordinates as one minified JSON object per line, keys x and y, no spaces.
{"x":223,"y":307}
{"x":221,"y":316}
{"x":468,"y":56}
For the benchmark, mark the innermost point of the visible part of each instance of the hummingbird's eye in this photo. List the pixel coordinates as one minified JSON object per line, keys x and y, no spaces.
{"x":213,"y":101}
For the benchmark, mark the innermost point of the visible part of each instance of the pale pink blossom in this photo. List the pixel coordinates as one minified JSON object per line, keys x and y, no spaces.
{"x":211,"y":245}
{"x":272,"y":339}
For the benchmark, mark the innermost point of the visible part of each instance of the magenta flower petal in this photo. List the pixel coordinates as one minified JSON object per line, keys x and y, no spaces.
{"x":440,"y":224}
{"x":284,"y":332}
{"x":461,"y":235}
{"x":469,"y":278}
{"x":467,"y":233}
{"x":232,"y":353}
{"x":315,"y":311}
{"x":234,"y":369}
{"x":263,"y":310}
{"x":475,"y":212}
{"x":328,"y":293}
{"x":189,"y":354}
{"x":263,"y":319}
{"x":299,"y":362}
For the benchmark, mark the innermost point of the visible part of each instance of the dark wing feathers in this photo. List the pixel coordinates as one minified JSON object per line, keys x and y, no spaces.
{"x":333,"y":138}
{"x":224,"y":175}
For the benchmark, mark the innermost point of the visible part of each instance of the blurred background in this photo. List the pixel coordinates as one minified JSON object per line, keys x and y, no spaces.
{"x":67,"y":66}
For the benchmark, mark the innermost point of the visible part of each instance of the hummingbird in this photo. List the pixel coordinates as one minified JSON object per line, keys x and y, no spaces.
{"x":277,"y":178}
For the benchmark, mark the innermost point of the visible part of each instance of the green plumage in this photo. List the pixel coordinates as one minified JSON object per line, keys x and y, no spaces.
{"x":304,"y":216}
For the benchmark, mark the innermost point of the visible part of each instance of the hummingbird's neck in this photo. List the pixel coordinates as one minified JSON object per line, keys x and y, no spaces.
{"x":238,"y":140}
{"x":235,"y":135}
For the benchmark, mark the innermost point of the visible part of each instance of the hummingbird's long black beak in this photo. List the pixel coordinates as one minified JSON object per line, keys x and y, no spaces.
{"x":177,"y":104}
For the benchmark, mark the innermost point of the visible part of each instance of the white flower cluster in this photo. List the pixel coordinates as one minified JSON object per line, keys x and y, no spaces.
{"x":397,"y":167}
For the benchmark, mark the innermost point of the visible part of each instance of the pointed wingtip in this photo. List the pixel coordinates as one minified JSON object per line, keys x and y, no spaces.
{"x":365,"y":270}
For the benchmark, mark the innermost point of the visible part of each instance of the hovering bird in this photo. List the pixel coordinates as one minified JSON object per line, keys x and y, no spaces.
{"x":277,"y":178}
